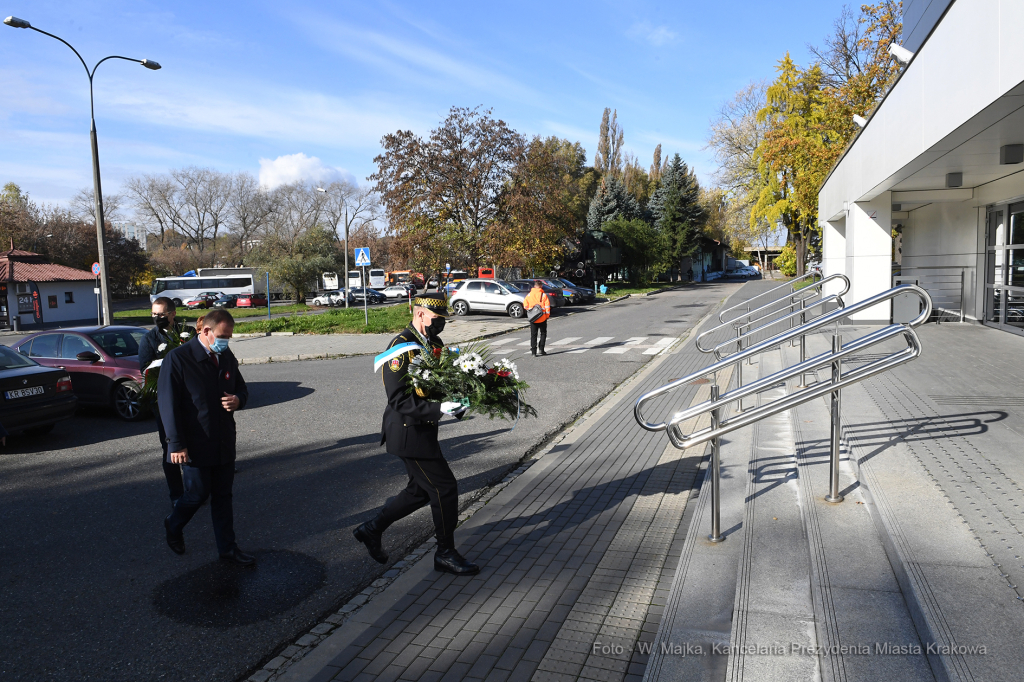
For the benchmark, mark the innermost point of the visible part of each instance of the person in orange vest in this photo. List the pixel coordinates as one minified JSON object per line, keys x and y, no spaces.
{"x":536,"y":301}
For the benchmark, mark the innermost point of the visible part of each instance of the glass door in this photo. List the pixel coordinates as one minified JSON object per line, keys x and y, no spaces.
{"x":1004,"y":272}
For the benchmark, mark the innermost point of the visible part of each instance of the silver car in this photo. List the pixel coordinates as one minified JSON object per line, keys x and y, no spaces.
{"x":488,"y":296}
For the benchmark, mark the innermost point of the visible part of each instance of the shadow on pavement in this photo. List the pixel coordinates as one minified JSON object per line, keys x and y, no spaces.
{"x":264,"y":393}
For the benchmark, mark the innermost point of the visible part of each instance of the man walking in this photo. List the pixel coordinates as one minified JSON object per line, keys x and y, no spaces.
{"x":539,"y":323}
{"x":199,"y":390}
{"x":409,"y":430}
{"x":163,"y":328}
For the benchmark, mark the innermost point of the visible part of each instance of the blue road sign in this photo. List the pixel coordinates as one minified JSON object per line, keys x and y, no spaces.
{"x":362,"y":257}
{"x":96,"y":269}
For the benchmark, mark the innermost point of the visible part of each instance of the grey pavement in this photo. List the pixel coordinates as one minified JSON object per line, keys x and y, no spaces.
{"x":595,"y":553}
{"x":91,"y":592}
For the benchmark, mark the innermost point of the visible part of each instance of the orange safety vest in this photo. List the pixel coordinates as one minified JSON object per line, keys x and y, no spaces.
{"x":538,"y":297}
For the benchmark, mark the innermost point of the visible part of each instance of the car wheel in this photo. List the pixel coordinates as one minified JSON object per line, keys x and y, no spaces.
{"x":460,"y":307}
{"x":516,"y":310}
{"x":40,"y":430}
{"x":126,"y":401}
{"x":177,"y":302}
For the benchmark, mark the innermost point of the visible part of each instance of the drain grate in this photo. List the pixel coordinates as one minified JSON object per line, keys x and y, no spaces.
{"x":974,"y":400}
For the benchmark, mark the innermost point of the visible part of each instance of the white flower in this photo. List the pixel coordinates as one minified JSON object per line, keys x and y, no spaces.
{"x":425,"y":374}
{"x":184,"y":336}
{"x":155,"y":363}
{"x":161,"y":348}
{"x":472,"y":364}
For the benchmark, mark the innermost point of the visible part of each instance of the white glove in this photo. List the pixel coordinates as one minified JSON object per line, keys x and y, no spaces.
{"x":452,"y":408}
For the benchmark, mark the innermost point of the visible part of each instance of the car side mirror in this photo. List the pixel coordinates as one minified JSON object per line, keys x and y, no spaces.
{"x":88,"y":356}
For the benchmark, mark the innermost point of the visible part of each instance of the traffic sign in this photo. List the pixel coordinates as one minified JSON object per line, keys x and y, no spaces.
{"x":447,"y":267}
{"x":362,"y":257}
{"x":96,"y":269}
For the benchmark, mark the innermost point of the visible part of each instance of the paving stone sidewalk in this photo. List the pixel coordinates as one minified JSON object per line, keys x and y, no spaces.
{"x":577,"y":556}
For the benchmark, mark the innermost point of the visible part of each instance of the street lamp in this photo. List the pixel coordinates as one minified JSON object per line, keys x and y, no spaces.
{"x":15,"y":22}
{"x":321,"y":189}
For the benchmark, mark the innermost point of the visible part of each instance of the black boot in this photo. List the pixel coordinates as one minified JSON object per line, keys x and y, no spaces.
{"x":542,"y":349}
{"x":448,"y":560}
{"x":370,"y":534}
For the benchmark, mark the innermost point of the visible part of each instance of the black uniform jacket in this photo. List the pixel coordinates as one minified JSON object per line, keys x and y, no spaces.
{"x":151,"y":342}
{"x":188,"y":394}
{"x":410,"y":422}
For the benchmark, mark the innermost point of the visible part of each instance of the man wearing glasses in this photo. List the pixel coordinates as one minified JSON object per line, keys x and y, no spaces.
{"x":149,"y":348}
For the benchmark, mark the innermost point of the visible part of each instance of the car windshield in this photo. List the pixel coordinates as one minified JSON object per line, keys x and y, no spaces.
{"x":120,"y":343}
{"x":511,"y":287}
{"x":9,"y":359}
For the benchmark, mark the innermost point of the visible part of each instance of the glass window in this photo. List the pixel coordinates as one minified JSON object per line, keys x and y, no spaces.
{"x":69,"y":297}
{"x":1016,"y":224}
{"x":51,"y":301}
{"x":11,"y":360}
{"x":73,"y":345}
{"x":474,"y":286}
{"x":46,"y":346}
{"x":118,"y":344}
{"x":490,"y":288}
{"x":159,"y":286}
{"x":995,"y":228}
{"x":1015,"y":309}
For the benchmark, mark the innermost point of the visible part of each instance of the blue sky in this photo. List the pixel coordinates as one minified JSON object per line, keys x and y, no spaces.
{"x":308,"y":89}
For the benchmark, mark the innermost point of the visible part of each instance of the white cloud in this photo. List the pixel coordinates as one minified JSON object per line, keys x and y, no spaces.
{"x":655,"y":35}
{"x":296,"y":167}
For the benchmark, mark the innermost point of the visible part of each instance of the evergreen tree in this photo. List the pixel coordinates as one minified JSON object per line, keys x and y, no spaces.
{"x":611,"y":201}
{"x":677,"y":211}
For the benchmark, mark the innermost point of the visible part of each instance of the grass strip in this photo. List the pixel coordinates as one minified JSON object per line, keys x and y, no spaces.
{"x":183,"y":313}
{"x":389,"y":320}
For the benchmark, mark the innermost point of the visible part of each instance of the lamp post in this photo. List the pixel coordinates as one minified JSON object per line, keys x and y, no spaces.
{"x":15,"y":22}
{"x":347,"y":285}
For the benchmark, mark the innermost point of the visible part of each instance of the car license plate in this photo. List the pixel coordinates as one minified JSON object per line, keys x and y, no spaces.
{"x":24,"y":392}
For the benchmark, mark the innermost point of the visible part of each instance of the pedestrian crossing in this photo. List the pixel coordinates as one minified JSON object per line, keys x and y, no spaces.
{"x":576,"y":344}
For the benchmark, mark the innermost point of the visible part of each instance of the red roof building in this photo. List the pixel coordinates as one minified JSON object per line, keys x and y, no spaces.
{"x":40,"y":292}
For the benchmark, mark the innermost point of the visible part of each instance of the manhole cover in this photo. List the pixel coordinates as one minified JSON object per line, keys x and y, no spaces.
{"x":222,"y":595}
{"x":673,"y":321}
{"x":702,"y":380}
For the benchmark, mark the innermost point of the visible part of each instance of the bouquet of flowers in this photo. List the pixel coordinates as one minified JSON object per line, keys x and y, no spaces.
{"x":175,"y":337}
{"x":464,"y":375}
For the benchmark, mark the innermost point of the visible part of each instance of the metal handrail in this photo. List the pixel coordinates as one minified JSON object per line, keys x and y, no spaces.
{"x":831,"y":298}
{"x":838,"y":381}
{"x":811,"y":274}
{"x":778,"y":340}
{"x":794,"y":299}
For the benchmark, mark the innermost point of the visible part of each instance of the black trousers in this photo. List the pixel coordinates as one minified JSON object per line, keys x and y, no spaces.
{"x":214,"y":482}
{"x":172,"y":472}
{"x":432,"y":482}
{"x":535,"y":329}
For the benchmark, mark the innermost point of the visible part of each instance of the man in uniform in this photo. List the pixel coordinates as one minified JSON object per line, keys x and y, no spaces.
{"x":409,"y":431}
{"x":164,"y":327}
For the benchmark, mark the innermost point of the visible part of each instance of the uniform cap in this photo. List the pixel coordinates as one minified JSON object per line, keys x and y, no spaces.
{"x":435,"y":303}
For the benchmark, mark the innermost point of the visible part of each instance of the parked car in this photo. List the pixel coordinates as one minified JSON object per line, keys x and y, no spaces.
{"x":203,"y":300}
{"x":103,"y":363}
{"x":34,"y":397}
{"x":329,"y":298}
{"x":432,"y":283}
{"x":251,"y":301}
{"x":451,"y":287}
{"x":371,"y":295}
{"x":583,"y":294}
{"x":556,"y":294}
{"x":569,"y":294}
{"x":488,"y":296}
{"x":225,"y":301}
{"x":399,"y":291}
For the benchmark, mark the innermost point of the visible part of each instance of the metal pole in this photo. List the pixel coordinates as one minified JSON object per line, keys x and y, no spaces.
{"x":803,"y":342}
{"x":101,"y":242}
{"x":348,"y":284}
{"x":837,"y":434}
{"x":268,"y":295}
{"x":99,"y":315}
{"x":961,"y":295}
{"x":739,"y":367}
{"x":366,"y":297}
{"x":716,"y":497}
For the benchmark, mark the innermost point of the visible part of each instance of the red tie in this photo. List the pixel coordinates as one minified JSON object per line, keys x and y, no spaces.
{"x":216,"y":362}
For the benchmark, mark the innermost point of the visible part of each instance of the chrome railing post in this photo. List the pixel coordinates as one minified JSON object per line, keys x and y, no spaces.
{"x":837,"y":434}
{"x":716,"y":499}
{"x":739,"y":365}
{"x":803,"y":342}
{"x":961,"y":295}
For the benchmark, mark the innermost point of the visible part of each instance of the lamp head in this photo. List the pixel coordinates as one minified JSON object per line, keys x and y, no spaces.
{"x":15,"y":22}
{"x":860,"y":120}
{"x":321,"y":189}
{"x":150,"y":64}
{"x":902,"y":54}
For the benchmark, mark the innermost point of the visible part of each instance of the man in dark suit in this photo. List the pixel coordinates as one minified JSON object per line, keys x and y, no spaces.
{"x":198,"y":392}
{"x":164,"y":327}
{"x":409,"y":431}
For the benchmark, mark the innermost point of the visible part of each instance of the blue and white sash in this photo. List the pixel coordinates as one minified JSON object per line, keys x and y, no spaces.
{"x":393,"y":352}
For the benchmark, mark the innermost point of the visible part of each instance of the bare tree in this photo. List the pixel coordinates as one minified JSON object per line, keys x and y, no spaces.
{"x":249,"y":207}
{"x":298,"y":207}
{"x":83,"y":207}
{"x":734,"y":139}
{"x":349,"y":207}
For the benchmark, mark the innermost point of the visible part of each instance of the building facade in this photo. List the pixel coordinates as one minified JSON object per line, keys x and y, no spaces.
{"x":940,"y":163}
{"x":42,"y":294}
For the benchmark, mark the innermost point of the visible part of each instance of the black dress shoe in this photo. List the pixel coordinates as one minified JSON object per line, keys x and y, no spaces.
{"x":237,"y":556}
{"x":176,"y":541}
{"x":542,"y":352}
{"x":450,"y":561}
{"x":369,"y":534}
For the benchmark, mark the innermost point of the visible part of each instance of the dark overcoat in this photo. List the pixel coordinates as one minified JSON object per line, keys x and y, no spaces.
{"x":189,"y":392}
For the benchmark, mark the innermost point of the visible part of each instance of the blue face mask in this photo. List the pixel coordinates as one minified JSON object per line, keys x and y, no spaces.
{"x":219,"y":345}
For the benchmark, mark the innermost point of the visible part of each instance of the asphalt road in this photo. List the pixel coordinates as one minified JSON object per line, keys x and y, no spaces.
{"x":90,"y":591}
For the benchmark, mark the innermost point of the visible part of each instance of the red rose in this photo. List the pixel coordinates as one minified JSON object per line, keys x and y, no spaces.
{"x":504,"y":374}
{"x":437,"y":352}
{"x":491,"y":371}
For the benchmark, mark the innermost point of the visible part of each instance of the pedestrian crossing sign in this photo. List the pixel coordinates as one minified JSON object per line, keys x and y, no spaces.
{"x":363,"y":257}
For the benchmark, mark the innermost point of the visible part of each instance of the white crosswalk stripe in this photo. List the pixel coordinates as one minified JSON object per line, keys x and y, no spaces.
{"x":659,"y":345}
{"x":593,"y":342}
{"x":627,"y":346}
{"x":502,"y":341}
{"x":524,"y":343}
{"x":566,"y":341}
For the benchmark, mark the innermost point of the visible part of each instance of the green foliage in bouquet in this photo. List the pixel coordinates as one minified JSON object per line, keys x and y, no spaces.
{"x":465,"y":375}
{"x":176,"y":337}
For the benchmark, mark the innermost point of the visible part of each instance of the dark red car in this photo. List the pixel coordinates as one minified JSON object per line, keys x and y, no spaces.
{"x":103,"y":363}
{"x":251,"y":301}
{"x":203,"y":300}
